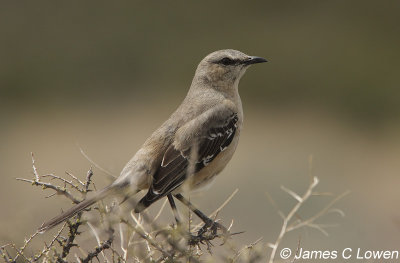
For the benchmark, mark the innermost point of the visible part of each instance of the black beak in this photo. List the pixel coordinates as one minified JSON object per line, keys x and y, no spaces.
{"x":254,"y":60}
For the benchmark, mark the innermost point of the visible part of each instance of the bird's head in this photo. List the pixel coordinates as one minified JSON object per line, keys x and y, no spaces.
{"x":225,"y":67}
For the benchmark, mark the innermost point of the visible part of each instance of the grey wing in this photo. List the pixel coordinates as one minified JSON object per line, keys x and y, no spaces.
{"x":175,"y":165}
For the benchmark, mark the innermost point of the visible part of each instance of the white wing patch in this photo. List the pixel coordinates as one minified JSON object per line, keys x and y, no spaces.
{"x":207,"y":160}
{"x":227,"y":133}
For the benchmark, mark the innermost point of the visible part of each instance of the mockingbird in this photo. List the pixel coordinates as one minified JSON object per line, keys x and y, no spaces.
{"x":192,"y":146}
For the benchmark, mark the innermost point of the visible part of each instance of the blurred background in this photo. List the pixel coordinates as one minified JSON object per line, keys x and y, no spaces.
{"x":103,"y":76}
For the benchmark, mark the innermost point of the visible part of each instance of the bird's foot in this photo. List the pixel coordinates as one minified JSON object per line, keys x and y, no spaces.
{"x":213,"y":227}
{"x":209,"y":232}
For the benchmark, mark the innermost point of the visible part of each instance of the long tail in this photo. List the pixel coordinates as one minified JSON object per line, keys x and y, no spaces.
{"x":77,"y":208}
{"x":147,"y":200}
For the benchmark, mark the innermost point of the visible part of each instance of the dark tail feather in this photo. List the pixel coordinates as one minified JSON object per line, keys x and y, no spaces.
{"x":142,"y":205}
{"x":76,"y":209}
{"x":146,"y":201}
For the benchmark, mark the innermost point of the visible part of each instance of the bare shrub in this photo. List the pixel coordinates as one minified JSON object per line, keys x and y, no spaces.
{"x":121,"y":235}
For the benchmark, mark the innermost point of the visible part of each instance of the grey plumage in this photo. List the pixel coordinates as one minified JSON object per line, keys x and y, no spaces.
{"x":194,"y":144}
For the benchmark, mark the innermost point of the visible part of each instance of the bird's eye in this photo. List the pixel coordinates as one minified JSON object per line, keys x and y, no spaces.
{"x":226,"y":61}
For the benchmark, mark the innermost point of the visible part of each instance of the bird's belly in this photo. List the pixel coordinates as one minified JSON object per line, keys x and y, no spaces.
{"x":206,"y":176}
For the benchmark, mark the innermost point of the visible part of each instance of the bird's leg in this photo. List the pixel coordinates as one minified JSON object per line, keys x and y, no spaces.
{"x":174,"y":209}
{"x":208,"y":222}
{"x":200,"y":214}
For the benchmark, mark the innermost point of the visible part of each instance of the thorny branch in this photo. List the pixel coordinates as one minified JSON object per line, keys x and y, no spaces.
{"x":59,"y":190}
{"x":141,"y":238}
{"x":65,"y":243}
{"x":287,"y":226}
{"x":98,"y":250}
{"x":161,"y":245}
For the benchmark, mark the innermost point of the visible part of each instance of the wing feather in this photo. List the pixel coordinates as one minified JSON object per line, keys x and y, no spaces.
{"x":174,"y":167}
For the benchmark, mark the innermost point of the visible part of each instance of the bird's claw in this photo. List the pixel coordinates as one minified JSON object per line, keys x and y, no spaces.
{"x":209,"y":232}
